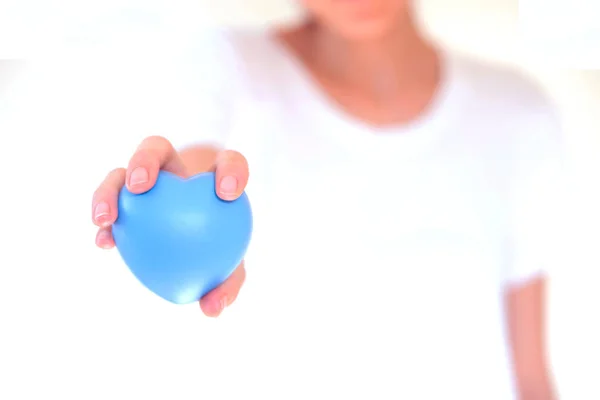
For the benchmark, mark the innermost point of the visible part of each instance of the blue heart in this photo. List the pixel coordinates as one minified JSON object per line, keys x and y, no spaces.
{"x":179,"y":239}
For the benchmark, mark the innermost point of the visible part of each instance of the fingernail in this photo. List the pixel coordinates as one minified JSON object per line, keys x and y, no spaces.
{"x":101,"y":212}
{"x":138,"y":176}
{"x":103,"y":239}
{"x":228,"y":185}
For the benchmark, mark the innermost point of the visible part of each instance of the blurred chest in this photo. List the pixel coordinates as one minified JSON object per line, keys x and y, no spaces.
{"x":328,"y":207}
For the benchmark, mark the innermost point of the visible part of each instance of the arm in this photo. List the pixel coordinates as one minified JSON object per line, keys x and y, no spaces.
{"x":525,"y":305}
{"x":539,"y":204}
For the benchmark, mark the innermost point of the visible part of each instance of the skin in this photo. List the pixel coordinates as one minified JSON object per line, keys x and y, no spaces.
{"x":526,"y":310}
{"x":370,"y":59}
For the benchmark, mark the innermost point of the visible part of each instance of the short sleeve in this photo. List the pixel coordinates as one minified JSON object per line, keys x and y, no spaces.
{"x":538,"y":196}
{"x":206,"y":78}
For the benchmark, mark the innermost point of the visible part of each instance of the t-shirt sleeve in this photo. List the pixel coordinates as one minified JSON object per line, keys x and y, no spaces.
{"x":538,"y":196}
{"x":206,"y":79}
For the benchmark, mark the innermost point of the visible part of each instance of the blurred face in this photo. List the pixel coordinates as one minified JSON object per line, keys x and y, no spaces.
{"x":359,"y":19}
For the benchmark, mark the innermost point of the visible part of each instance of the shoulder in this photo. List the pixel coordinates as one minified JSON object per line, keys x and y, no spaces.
{"x":237,"y":42}
{"x":236,"y":54}
{"x":502,"y":86}
{"x":515,"y":109}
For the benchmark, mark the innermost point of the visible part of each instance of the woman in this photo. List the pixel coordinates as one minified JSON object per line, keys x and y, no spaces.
{"x":401,"y":197}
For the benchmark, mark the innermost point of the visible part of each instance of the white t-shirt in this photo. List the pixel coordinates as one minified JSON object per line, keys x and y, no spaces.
{"x":381,"y":253}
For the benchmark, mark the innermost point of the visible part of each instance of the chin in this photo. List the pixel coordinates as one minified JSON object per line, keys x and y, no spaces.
{"x":361,"y":20}
{"x":367,"y":30}
{"x":368,"y":33}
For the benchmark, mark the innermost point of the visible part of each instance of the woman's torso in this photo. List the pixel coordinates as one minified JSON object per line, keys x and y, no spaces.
{"x":381,"y":253}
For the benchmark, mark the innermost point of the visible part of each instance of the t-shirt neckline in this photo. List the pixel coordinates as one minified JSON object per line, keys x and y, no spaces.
{"x":409,"y":137}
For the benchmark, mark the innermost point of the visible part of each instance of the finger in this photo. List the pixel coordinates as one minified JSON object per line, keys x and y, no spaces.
{"x":153,"y":154}
{"x":231,"y":175}
{"x":215,"y":302}
{"x":104,"y":201}
{"x":104,"y":238}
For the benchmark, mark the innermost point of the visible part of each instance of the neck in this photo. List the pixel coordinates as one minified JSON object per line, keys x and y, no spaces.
{"x":383,"y":66}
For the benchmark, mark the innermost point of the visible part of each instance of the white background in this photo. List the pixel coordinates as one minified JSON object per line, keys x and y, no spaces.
{"x":562,"y":33}
{"x":73,"y":323}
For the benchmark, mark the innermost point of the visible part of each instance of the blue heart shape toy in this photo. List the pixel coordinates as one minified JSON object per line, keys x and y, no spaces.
{"x":180,"y":239}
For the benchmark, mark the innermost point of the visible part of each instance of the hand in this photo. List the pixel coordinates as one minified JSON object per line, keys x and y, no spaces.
{"x":154,"y":154}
